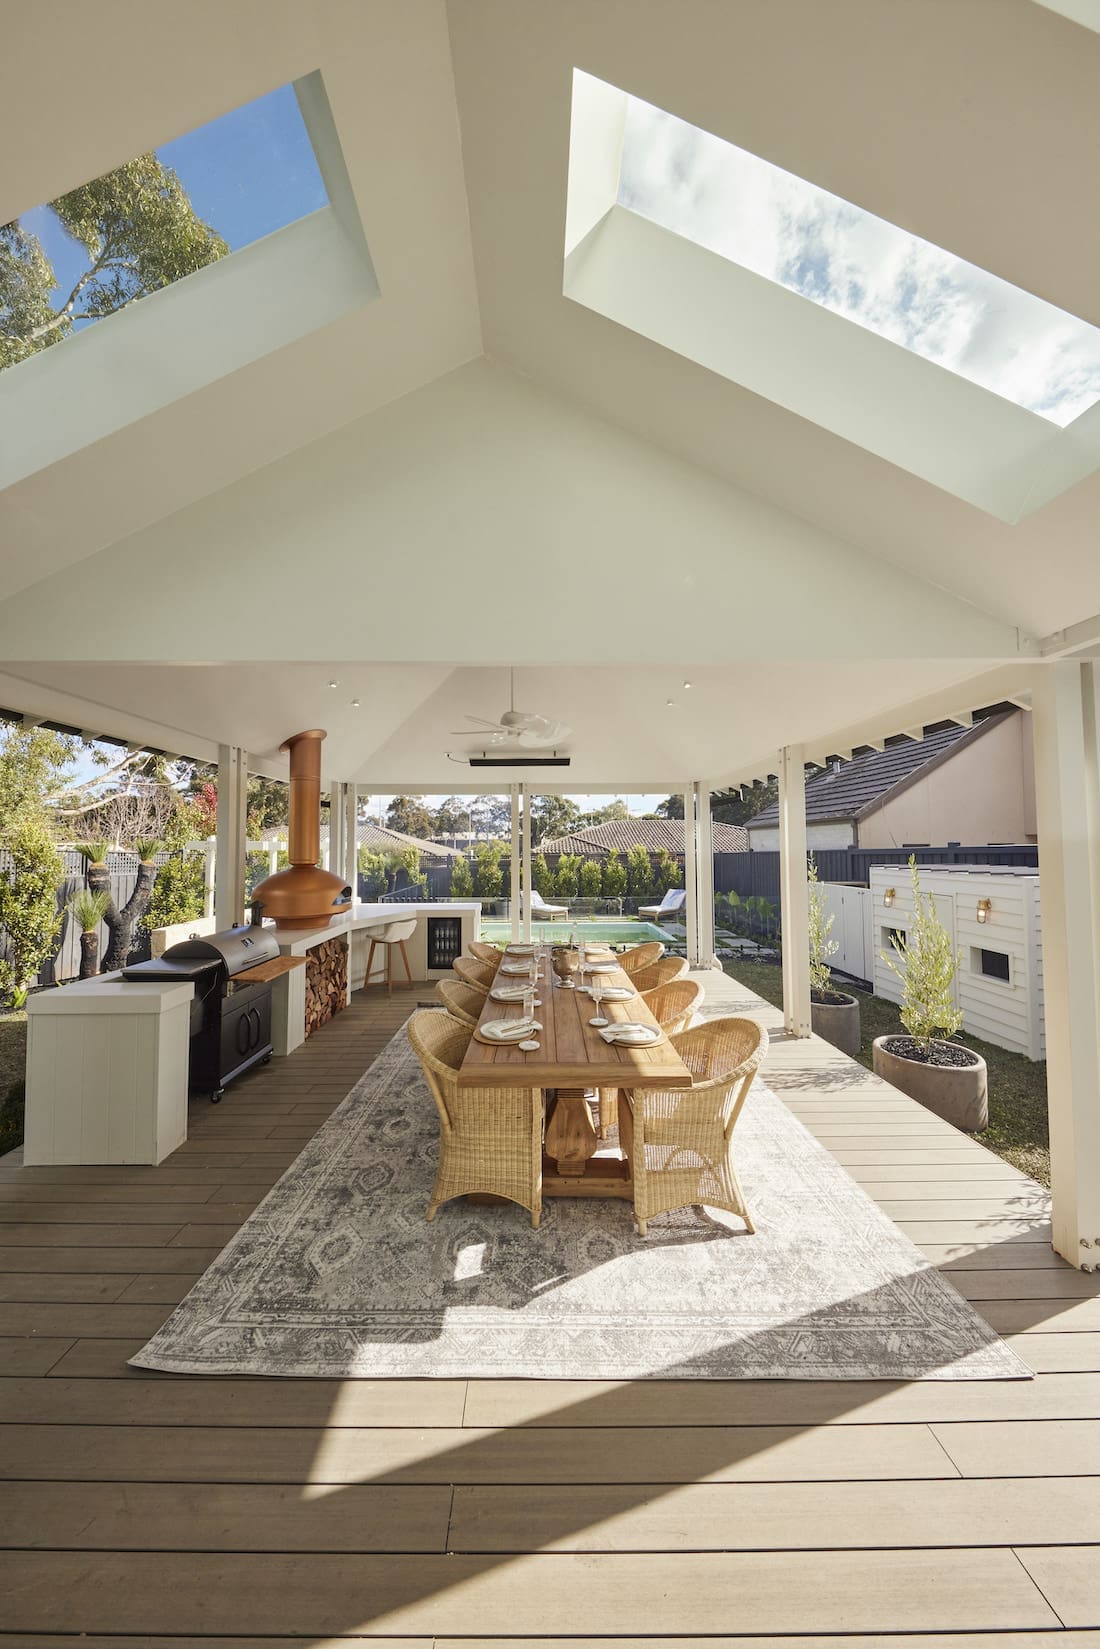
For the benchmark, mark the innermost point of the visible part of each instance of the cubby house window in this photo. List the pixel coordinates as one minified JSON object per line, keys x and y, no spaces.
{"x":991,"y":964}
{"x":888,"y":937}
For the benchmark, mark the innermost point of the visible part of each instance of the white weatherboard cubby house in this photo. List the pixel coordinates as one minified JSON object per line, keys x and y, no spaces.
{"x":733,"y":373}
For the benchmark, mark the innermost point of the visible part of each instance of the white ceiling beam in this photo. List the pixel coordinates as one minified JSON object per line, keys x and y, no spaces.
{"x":1082,"y":637}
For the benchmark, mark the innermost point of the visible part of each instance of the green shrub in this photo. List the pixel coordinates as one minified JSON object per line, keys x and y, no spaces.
{"x":372,"y":872}
{"x":821,"y":926}
{"x":639,"y":873}
{"x":178,"y":892}
{"x":930,"y":965}
{"x":614,"y":877}
{"x":590,"y":880}
{"x":490,"y":879}
{"x":28,"y":905}
{"x":542,"y":877}
{"x":668,"y":873}
{"x":462,"y":883}
{"x":568,"y":876}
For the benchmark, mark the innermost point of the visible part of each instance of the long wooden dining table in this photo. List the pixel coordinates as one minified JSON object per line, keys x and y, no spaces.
{"x":571,"y":1058}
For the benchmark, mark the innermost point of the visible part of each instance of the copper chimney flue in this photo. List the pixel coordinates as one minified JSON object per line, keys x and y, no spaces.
{"x":304,"y":896}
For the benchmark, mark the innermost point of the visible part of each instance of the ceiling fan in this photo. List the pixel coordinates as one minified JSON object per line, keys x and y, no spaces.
{"x":522,"y":728}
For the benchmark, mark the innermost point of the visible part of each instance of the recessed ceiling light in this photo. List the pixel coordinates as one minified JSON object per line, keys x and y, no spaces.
{"x":669,"y":703}
{"x":355,"y":704}
{"x":687,"y":685}
{"x":334,"y":684}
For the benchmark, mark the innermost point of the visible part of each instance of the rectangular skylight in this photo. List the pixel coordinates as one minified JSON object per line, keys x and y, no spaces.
{"x":857,"y":265}
{"x":147,"y":224}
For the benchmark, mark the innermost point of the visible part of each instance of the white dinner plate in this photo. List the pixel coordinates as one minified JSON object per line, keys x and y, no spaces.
{"x":632,"y":1035}
{"x":514,"y":967}
{"x":599,"y":967}
{"x":508,"y":1030}
{"x":611,"y":993}
{"x":521,"y":950}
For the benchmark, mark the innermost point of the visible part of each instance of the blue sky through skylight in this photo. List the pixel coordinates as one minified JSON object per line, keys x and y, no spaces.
{"x":248,"y":173}
{"x":917,"y":295}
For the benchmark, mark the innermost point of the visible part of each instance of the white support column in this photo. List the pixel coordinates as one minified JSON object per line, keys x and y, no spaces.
{"x":351,"y":848}
{"x":272,"y":855}
{"x":794,"y":891}
{"x":209,"y":874}
{"x":704,"y":875}
{"x":514,"y":904}
{"x":232,"y":814}
{"x":691,"y":879}
{"x":525,"y":860}
{"x":1066,"y":727}
{"x":335,"y":860}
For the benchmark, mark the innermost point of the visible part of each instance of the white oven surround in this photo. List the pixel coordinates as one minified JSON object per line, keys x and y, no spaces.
{"x":288,"y":1005}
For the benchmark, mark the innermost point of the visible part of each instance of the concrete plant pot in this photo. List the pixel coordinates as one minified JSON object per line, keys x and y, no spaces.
{"x":957,"y":1093}
{"x":837,"y":1022}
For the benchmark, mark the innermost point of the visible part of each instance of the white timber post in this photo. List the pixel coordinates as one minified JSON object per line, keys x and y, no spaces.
{"x":272,"y":855}
{"x":514,"y":903}
{"x":335,"y":860}
{"x":525,"y":860}
{"x":231,"y":847}
{"x":704,"y":875}
{"x":351,"y":845}
{"x":794,"y":890}
{"x":209,"y":874}
{"x":1066,"y":727}
{"x":691,"y":879}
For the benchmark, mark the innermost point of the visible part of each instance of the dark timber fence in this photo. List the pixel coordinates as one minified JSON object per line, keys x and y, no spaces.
{"x":756,"y":875}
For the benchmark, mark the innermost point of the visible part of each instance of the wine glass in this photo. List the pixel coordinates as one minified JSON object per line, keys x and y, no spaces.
{"x":596,"y":988}
{"x":533,"y":972}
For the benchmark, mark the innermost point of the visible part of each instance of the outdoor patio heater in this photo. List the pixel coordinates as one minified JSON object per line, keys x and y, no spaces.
{"x":230,"y":1013}
{"x":304,"y":896}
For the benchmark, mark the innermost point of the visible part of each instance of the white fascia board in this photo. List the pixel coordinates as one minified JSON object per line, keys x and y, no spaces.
{"x":175,"y":341}
{"x":821,"y":366}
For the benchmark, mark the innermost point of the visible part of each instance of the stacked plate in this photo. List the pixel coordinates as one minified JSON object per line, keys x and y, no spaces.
{"x":507,"y":1030}
{"x":611,"y":993}
{"x":599,"y":967}
{"x":517,"y":966}
{"x":509,"y":993}
{"x":632,"y":1035}
{"x":521,"y":950}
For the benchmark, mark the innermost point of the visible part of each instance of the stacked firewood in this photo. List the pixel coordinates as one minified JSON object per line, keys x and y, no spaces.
{"x":326,"y":982}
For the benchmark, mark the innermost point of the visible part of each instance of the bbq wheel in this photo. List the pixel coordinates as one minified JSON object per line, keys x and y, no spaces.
{"x":216,"y":1096}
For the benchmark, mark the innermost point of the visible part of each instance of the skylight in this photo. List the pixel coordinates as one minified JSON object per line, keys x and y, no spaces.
{"x":858,"y":266}
{"x":150,"y":223}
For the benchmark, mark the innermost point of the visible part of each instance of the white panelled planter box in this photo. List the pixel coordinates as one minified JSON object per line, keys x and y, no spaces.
{"x":107,"y":1071}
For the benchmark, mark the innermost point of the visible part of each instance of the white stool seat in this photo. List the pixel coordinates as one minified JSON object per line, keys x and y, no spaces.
{"x":393,"y":937}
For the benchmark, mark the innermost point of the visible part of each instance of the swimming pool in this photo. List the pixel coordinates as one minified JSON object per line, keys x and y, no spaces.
{"x":592,"y":931}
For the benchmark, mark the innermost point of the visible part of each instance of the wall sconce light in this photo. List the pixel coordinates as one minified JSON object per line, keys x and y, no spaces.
{"x":889,"y":896}
{"x":984,"y":908}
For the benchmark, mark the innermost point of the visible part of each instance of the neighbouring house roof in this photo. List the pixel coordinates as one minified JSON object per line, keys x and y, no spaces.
{"x":380,"y":840}
{"x":864,"y":783}
{"x":620,"y":835}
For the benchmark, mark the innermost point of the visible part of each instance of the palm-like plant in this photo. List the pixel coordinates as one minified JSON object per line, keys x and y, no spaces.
{"x":94,"y":852}
{"x":88,"y":910}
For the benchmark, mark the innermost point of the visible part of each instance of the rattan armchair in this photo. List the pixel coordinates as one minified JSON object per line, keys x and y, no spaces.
{"x":640,"y":956}
{"x":490,"y":1139}
{"x":680,"y":1144}
{"x":462,"y":1002}
{"x":489,"y":954}
{"x":659,"y":973}
{"x":478,"y":974}
{"x":672,"y":1006}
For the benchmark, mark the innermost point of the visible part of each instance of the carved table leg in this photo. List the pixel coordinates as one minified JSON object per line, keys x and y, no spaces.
{"x":570,"y":1133}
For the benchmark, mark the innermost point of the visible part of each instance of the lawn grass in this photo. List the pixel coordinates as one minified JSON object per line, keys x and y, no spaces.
{"x":13,"y":1065}
{"x":1017,"y":1086}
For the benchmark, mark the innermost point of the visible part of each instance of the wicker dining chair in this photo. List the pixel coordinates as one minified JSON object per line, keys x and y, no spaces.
{"x":640,"y":956}
{"x":489,"y":954}
{"x":471,"y":972}
{"x":672,"y":1006}
{"x":659,"y":973}
{"x":490,"y":1139}
{"x":462,"y":1002}
{"x":680,"y":1143}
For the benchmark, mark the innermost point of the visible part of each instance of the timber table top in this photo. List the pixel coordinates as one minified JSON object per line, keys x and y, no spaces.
{"x":573,"y":1054}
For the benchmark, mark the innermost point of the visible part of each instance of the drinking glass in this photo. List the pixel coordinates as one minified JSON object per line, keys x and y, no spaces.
{"x":533,"y":971}
{"x":596,"y":988}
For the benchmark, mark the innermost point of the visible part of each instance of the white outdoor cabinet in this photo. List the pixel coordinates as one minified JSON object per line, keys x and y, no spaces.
{"x":107,"y":1071}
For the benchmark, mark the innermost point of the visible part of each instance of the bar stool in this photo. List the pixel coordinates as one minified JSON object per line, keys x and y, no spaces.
{"x":393,"y":934}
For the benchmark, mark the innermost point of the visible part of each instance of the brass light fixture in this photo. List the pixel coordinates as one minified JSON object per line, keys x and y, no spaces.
{"x":889,"y":896}
{"x":984,"y":908}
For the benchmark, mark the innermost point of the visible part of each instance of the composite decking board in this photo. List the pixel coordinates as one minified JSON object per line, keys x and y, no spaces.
{"x":72,"y":1318}
{"x":320,"y":1455}
{"x":626,"y":1593}
{"x":121,"y":1213}
{"x":46,"y":1287}
{"x":311,"y":1448}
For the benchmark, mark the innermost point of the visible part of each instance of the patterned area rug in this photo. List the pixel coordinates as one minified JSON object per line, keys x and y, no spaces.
{"x":338,"y":1274}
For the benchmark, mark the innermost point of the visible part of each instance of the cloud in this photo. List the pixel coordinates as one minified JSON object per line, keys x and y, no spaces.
{"x":859,"y":266}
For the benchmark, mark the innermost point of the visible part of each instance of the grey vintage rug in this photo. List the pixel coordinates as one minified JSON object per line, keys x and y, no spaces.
{"x":338,"y":1274}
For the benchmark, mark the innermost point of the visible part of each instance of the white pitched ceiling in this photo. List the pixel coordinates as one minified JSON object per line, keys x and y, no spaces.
{"x":974,"y":125}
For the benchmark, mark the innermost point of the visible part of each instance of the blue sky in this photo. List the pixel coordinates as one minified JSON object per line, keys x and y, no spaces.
{"x":248,"y":173}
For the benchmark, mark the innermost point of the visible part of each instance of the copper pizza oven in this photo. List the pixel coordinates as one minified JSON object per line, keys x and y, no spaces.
{"x":304,"y":896}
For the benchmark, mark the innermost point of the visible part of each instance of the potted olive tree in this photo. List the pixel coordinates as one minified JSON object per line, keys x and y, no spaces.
{"x":834,"y":1015}
{"x":941,"y":1074}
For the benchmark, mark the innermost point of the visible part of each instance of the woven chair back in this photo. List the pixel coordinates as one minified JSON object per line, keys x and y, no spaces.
{"x":672,"y":1005}
{"x":660,"y":973}
{"x":489,"y":954}
{"x":477,"y":974}
{"x":461,"y":1000}
{"x":640,"y":956}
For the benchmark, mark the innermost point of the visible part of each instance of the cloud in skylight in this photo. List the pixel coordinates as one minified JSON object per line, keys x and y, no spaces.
{"x":859,"y":266}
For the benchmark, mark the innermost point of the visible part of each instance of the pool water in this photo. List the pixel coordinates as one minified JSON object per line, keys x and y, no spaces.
{"x":592,"y":932}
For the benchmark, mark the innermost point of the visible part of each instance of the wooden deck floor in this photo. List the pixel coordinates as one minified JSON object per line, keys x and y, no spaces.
{"x":150,"y":1509}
